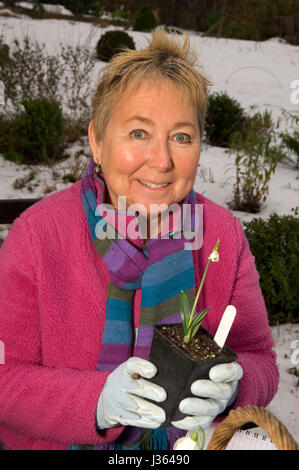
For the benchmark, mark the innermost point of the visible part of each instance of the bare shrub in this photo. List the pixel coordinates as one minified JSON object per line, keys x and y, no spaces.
{"x":28,"y":71}
{"x":256,"y":157}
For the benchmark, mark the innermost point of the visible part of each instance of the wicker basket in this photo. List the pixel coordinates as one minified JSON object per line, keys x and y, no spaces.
{"x":263,"y":418}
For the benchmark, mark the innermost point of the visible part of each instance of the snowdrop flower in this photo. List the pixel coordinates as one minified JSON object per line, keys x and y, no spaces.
{"x":190,"y":442}
{"x":190,"y":321}
{"x":214,"y":256}
{"x":186,"y":443}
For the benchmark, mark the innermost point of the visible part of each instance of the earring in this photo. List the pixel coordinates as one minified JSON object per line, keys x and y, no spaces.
{"x":98,"y":169}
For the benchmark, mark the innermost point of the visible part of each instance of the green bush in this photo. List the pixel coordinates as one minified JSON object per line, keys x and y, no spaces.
{"x":210,"y":19}
{"x":291,"y":141}
{"x":252,"y":20}
{"x":224,"y":117}
{"x":145,"y":20}
{"x":111,"y":42}
{"x":96,"y":9}
{"x":28,"y":71}
{"x":275,"y":245}
{"x":35,"y":135}
{"x":4,"y":53}
{"x":119,"y":14}
{"x":256,"y":157}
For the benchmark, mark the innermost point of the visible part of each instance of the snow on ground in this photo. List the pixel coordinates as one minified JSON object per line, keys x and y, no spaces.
{"x":259,"y":76}
{"x":285,"y":403}
{"x":27,"y":5}
{"x":59,"y":9}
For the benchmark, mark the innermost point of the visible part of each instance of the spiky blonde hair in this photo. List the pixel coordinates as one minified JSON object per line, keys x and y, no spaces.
{"x":164,"y":57}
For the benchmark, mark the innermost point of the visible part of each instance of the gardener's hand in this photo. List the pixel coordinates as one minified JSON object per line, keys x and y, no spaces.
{"x":216,"y":394}
{"x":119,"y":402}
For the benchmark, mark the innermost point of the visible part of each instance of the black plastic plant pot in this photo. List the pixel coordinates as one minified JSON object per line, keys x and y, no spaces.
{"x":177,"y":370}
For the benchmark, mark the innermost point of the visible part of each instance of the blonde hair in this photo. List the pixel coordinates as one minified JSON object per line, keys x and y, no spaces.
{"x":165,"y":57}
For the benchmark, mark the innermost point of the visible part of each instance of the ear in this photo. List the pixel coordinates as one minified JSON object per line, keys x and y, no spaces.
{"x":95,"y":146}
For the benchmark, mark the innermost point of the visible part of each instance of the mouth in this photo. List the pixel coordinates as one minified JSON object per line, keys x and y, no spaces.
{"x":154,"y":185}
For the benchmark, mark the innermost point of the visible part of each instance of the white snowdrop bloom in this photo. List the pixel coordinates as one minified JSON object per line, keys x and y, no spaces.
{"x":186,"y":443}
{"x":214,"y":256}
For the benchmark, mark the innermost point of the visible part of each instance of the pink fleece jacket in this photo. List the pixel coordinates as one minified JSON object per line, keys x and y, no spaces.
{"x":53,"y":288}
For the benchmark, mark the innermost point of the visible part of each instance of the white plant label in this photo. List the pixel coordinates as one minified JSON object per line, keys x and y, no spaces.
{"x":225,"y":325}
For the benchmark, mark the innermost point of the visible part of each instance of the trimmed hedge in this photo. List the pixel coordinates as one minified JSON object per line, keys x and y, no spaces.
{"x":35,"y":135}
{"x":275,"y":245}
{"x":225,"y":116}
{"x":111,"y":43}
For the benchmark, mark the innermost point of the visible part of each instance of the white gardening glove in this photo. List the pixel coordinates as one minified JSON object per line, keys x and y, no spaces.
{"x":216,"y":394}
{"x":119,"y":401}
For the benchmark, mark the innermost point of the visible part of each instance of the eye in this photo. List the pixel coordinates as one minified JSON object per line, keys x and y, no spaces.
{"x":138,"y":134}
{"x":182,"y":138}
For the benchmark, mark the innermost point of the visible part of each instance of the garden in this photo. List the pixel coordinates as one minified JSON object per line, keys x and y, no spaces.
{"x":250,"y":151}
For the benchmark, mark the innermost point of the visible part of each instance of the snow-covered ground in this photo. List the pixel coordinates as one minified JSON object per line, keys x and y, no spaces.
{"x":59,"y":9}
{"x":259,"y":76}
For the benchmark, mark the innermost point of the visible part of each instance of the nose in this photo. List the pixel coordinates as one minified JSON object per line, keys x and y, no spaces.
{"x":160,"y":156}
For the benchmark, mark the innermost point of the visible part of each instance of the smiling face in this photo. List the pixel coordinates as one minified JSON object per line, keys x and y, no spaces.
{"x":150,"y":149}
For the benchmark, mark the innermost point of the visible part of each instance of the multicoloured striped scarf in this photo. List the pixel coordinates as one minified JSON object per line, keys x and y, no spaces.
{"x":161,"y":268}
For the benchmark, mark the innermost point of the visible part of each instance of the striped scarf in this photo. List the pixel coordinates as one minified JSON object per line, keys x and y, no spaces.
{"x":161,"y":268}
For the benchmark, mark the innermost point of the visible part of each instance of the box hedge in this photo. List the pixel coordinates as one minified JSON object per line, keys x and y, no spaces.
{"x":275,"y":245}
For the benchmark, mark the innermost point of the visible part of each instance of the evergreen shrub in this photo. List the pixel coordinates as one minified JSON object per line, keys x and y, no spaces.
{"x":225,"y":116}
{"x":145,"y":20}
{"x":275,"y":245}
{"x":36,"y":134}
{"x":111,"y":43}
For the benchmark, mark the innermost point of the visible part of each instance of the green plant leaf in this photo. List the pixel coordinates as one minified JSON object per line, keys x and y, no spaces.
{"x":193,"y":330}
{"x":185,"y":310}
{"x":203,"y":312}
{"x":196,"y":322}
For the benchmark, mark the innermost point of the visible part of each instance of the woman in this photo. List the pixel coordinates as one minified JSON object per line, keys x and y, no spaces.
{"x":76,"y":316}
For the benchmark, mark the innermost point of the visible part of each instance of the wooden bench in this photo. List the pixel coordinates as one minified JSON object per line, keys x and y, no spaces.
{"x":10,"y":209}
